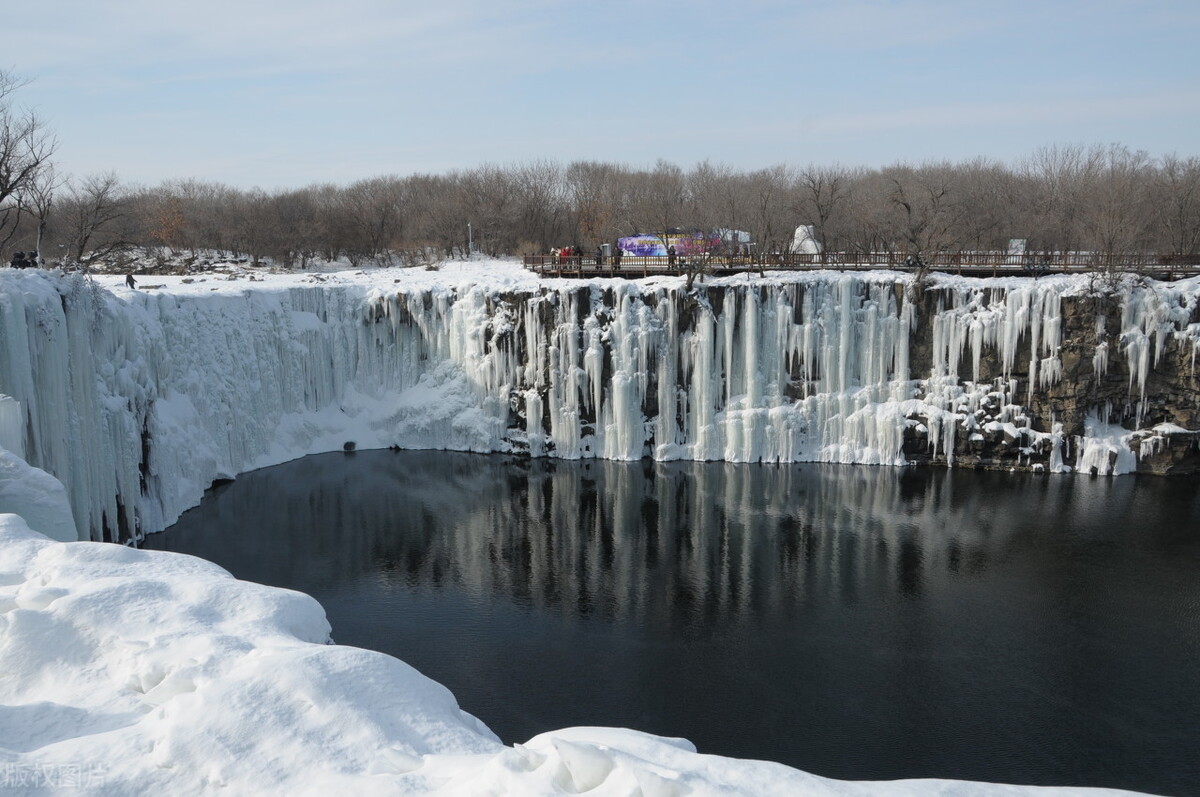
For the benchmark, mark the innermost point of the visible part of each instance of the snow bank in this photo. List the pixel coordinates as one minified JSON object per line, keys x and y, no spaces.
{"x":160,"y":673}
{"x":138,"y":400}
{"x":136,"y":672}
{"x":36,"y":496}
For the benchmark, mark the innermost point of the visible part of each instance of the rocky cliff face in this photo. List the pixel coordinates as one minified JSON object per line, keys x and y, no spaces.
{"x":1123,"y":366}
{"x":1054,"y":374}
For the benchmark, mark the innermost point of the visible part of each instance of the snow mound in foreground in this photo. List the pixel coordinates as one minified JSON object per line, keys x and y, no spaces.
{"x":164,"y":674}
{"x":144,"y":672}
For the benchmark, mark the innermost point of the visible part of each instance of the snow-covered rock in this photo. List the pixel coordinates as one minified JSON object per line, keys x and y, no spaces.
{"x":36,"y":496}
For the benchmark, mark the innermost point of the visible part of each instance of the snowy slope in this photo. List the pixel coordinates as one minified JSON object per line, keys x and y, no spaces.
{"x":138,"y":400}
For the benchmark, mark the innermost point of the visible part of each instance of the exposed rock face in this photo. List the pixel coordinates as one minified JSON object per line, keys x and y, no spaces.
{"x":1125,"y":357}
{"x":1052,"y":374}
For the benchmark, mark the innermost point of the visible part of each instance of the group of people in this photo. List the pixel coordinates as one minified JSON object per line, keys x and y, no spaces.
{"x":32,"y":260}
{"x":573,"y":255}
{"x":23,"y":260}
{"x":565,"y":254}
{"x":616,"y":256}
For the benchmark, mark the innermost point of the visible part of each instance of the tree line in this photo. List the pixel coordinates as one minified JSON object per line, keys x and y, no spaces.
{"x":1106,"y":199}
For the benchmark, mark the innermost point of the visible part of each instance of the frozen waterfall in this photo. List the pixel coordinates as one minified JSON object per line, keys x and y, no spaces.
{"x":139,"y":400}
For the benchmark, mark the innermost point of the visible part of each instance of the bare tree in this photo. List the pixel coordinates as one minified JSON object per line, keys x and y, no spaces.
{"x":822,"y":195}
{"x":1055,"y":178}
{"x":167,"y":224}
{"x":489,"y":203}
{"x":1115,"y":214}
{"x":540,"y":204}
{"x":926,"y":213}
{"x":195,"y":215}
{"x":90,"y":212}
{"x":771,"y":219}
{"x":592,"y":192}
{"x":39,"y":199}
{"x":296,"y":216}
{"x":715,"y":195}
{"x":986,"y":198}
{"x":442,"y":220}
{"x":374,"y":211}
{"x":1178,"y":205}
{"x":861,"y":214}
{"x":26,"y":147}
{"x":664,"y":205}
{"x":663,"y":200}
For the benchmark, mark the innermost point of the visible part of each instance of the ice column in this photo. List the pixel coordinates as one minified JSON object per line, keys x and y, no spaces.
{"x":12,"y":426}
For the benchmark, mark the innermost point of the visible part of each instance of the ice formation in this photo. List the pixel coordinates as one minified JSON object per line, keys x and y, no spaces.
{"x":12,"y":435}
{"x":138,"y":400}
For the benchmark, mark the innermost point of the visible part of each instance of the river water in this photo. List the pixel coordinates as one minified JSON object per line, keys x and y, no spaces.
{"x":856,"y":622}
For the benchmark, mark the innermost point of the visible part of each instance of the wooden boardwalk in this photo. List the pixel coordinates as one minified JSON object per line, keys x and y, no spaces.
{"x":973,"y":264}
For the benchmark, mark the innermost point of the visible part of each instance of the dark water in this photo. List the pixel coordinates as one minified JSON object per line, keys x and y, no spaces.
{"x":856,"y":622}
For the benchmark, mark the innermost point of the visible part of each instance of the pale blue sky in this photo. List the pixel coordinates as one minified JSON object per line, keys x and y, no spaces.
{"x":285,"y":93}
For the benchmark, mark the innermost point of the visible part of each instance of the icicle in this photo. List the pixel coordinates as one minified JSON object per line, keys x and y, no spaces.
{"x":1104,"y":449}
{"x":12,"y":426}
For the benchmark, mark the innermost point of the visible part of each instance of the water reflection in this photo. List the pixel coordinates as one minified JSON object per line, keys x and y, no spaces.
{"x":858,"y":622}
{"x":686,"y":542}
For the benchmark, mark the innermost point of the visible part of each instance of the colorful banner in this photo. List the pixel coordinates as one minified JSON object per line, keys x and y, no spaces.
{"x":685,"y":243}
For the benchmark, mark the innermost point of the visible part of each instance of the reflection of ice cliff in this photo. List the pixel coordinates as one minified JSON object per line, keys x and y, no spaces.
{"x":138,"y":401}
{"x":670,"y":543}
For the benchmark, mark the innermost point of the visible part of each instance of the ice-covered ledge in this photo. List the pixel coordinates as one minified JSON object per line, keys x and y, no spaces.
{"x":138,"y":672}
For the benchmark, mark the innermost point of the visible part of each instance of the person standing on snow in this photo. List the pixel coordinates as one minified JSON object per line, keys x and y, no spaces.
{"x":129,"y":280}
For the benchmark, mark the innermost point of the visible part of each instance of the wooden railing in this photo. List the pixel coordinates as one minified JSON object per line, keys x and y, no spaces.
{"x":970,"y":263}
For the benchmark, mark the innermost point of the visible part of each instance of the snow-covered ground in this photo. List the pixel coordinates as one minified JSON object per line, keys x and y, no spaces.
{"x":139,"y":672}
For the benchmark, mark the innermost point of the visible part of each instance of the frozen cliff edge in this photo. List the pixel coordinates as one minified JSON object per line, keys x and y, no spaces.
{"x":138,"y":400}
{"x":138,"y":672}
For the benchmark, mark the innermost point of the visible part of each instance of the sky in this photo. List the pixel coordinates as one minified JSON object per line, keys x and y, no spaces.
{"x":286,"y":93}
